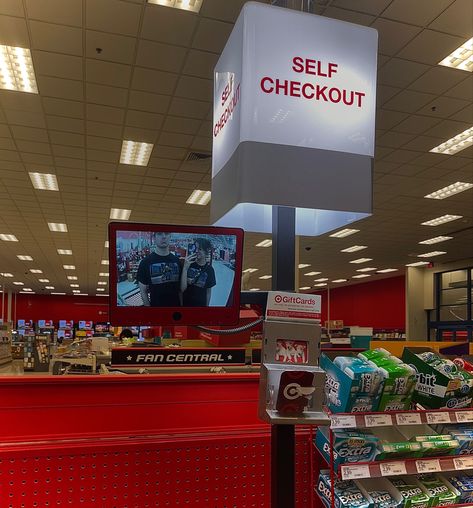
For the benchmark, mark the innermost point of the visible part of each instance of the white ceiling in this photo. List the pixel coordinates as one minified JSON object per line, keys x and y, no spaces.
{"x":152,"y":81}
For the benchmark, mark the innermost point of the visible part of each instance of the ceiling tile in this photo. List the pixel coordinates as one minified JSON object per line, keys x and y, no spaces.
{"x":12,"y":8}
{"x":184,"y":125}
{"x":55,"y":64}
{"x":211,"y":35}
{"x":30,"y":133}
{"x":139,"y":134}
{"x":105,"y":114}
{"x":154,"y":81}
{"x":102,"y":129}
{"x":66,"y":124}
{"x":146,"y":101}
{"x":200,"y":64}
{"x":224,"y":11}
{"x":144,"y":120}
{"x":393,"y":35}
{"x":420,"y":12}
{"x":108,"y":73}
{"x":457,"y":19}
{"x":173,"y":139}
{"x":400,"y":73}
{"x":107,"y":95}
{"x":56,"y":38}
{"x":61,"y":107}
{"x":408,"y":101}
{"x":60,"y":88}
{"x":189,"y":108}
{"x":416,"y":124}
{"x":443,"y":107}
{"x":367,"y":6}
{"x":437,"y":80}
{"x":348,"y":15}
{"x":56,"y":11}
{"x":113,"y":48}
{"x":14,"y":32}
{"x":464,"y":90}
{"x":66,"y":138}
{"x":113,"y":16}
{"x":25,"y":118}
{"x":194,"y":88}
{"x":160,"y":56}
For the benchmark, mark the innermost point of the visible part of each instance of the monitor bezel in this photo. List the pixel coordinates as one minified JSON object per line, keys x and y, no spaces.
{"x":152,"y":316}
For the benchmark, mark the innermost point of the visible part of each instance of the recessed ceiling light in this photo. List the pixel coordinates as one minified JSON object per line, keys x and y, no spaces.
{"x":106,"y":244}
{"x":58,"y":293}
{"x":105,"y":262}
{"x":82,"y":294}
{"x":43,"y":280}
{"x":441,"y":220}
{"x":339,"y":280}
{"x":69,"y":267}
{"x":461,"y":58}
{"x":387,"y":270}
{"x":64,"y":252}
{"x":35,"y":270}
{"x":76,"y":291}
{"x":100,"y":289}
{"x":16,"y":70}
{"x":120,"y":214}
{"x":455,"y":144}
{"x":361,"y":276}
{"x":72,"y":277}
{"x":8,"y":238}
{"x":360,"y":260}
{"x":418,"y":263}
{"x":44,"y":181}
{"x":304,"y":288}
{"x":199,"y":197}
{"x":265,"y":277}
{"x":344,"y":232}
{"x":6,"y":274}
{"x":248,"y":270}
{"x":354,"y":248}
{"x":265,"y":243}
{"x":135,"y":153}
{"x":449,"y":190}
{"x":103,"y":274}
{"x":312,"y":273}
{"x":49,"y":287}
{"x":436,"y":239}
{"x":185,"y":5}
{"x":27,"y":290}
{"x":19,"y":283}
{"x":368,"y":269}
{"x":255,"y":289}
{"x":101,"y":283}
{"x":431,"y":254}
{"x":321,"y":284}
{"x":302,"y":265}
{"x":57,"y":227}
{"x":23,"y":257}
{"x":74,"y":285}
{"x":323,"y":279}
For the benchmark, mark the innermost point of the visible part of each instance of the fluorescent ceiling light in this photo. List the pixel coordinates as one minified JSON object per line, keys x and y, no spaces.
{"x":431,"y":254}
{"x":16,"y":70}
{"x":135,"y":153}
{"x":6,"y":274}
{"x":339,"y":280}
{"x":360,"y":260}
{"x":49,"y":287}
{"x":255,"y":289}
{"x":185,"y":5}
{"x":361,"y":276}
{"x":82,"y":294}
{"x":74,"y":285}
{"x":100,"y":289}
{"x":103,"y":274}
{"x":344,"y":232}
{"x":248,"y":270}
{"x":8,"y":238}
{"x":23,"y":257}
{"x":64,"y":252}
{"x":57,"y":227}
{"x":105,"y":262}
{"x":455,"y":144}
{"x":312,"y":273}
{"x":35,"y":270}
{"x":302,"y":265}
{"x":199,"y":197}
{"x":44,"y":181}
{"x":436,"y":239}
{"x":320,"y":285}
{"x":265,"y":277}
{"x":72,"y":277}
{"x":441,"y":220}
{"x":368,"y":269}
{"x":69,"y":267}
{"x":418,"y":263}
{"x":355,"y":248}
{"x":304,"y":288}
{"x":450,"y":190}
{"x":387,"y":270}
{"x":58,"y":293}
{"x":120,"y":214}
{"x":461,"y":58}
{"x":76,"y":291}
{"x":19,"y":283}
{"x":106,"y":244}
{"x":265,"y":243}
{"x":323,"y":279}
{"x":43,"y":280}
{"x":101,"y":283}
{"x":27,"y":290}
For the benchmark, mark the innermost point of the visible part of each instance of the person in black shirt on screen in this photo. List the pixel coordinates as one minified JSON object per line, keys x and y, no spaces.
{"x":198,"y":276}
{"x":159,"y":274}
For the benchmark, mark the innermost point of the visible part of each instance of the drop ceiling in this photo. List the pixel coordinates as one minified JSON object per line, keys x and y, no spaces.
{"x":110,"y":70}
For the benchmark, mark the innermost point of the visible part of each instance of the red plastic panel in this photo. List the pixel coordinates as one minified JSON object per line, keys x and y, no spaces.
{"x":200,"y":472}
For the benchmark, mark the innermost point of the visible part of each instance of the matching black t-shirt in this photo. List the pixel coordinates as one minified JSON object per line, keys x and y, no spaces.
{"x":162,"y":274}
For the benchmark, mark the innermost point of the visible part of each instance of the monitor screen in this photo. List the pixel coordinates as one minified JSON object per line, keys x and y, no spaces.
{"x":86,"y":325}
{"x":66,"y":323}
{"x":163,"y":274}
{"x":102,"y":327}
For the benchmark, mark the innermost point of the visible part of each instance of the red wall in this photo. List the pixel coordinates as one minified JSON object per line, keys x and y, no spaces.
{"x":91,"y":308}
{"x":380,"y":304}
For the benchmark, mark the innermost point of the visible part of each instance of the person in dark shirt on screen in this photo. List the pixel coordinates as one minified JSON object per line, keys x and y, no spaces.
{"x":198,"y":275}
{"x":159,"y":274}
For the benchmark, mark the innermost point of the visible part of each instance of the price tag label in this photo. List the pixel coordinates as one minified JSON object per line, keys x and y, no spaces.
{"x":428,"y":466}
{"x":343,"y":422}
{"x":378,"y":420}
{"x":408,"y":419}
{"x":442,"y":417}
{"x":464,"y":416}
{"x":393,"y":468}
{"x":463,"y":463}
{"x":355,"y":472}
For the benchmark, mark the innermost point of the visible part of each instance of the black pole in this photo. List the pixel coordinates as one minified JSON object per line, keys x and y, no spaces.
{"x":283,"y":439}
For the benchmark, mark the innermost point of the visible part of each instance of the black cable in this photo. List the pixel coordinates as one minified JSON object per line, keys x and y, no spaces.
{"x":231,"y":330}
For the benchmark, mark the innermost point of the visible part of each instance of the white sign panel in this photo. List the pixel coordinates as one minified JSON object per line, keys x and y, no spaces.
{"x":293,"y":307}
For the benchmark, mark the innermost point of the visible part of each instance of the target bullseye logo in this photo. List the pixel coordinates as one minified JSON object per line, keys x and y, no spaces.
{"x":278,"y":298}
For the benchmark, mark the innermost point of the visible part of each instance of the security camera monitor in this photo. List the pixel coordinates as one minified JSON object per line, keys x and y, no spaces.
{"x":167,"y":274}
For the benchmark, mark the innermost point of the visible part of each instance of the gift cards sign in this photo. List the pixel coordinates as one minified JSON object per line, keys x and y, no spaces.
{"x":293,"y":307}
